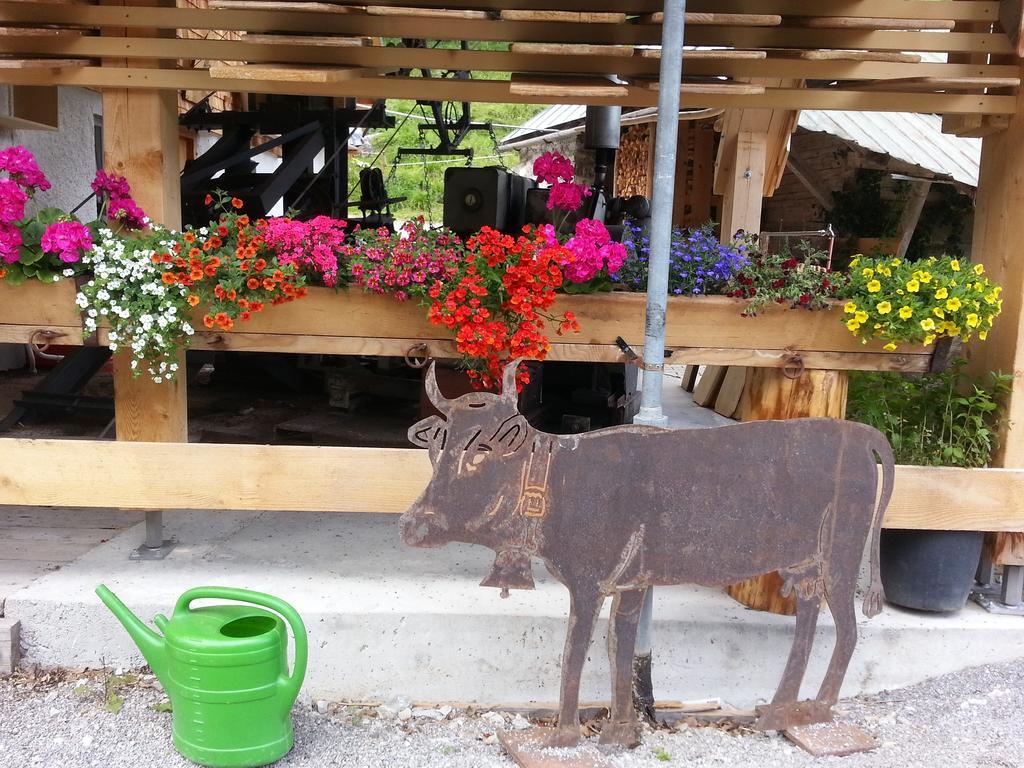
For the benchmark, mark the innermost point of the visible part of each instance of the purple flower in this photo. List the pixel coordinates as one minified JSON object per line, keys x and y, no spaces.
{"x":111,"y":185}
{"x":10,"y":243}
{"x":21,"y":166}
{"x":127,"y":212}
{"x":12,"y":201}
{"x":69,"y":239}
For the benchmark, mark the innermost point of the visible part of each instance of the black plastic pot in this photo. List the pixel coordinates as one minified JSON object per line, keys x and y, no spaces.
{"x":929,"y":570}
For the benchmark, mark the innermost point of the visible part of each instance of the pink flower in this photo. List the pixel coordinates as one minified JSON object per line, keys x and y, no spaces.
{"x":567,"y":196}
{"x":111,"y":185}
{"x":592,"y":250}
{"x":552,"y":167}
{"x":12,"y":201}
{"x":127,"y":212}
{"x":21,"y":166}
{"x":70,"y":239}
{"x":10,"y":243}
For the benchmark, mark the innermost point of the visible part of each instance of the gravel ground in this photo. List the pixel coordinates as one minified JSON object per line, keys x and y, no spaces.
{"x":74,"y":720}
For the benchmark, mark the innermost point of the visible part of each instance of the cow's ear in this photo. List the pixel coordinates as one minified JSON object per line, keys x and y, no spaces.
{"x":427,"y":432}
{"x":511,"y":435}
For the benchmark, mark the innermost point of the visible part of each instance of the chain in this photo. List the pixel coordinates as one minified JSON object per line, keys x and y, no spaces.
{"x":425,"y":182}
{"x":497,"y":147}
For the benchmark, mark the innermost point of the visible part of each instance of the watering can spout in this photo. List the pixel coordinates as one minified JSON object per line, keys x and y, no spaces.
{"x":149,"y":642}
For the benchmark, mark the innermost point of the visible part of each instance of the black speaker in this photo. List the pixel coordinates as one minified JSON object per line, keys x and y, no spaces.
{"x":484,"y":197}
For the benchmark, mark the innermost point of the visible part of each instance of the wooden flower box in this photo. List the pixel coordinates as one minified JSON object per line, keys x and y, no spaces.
{"x":706,"y":329}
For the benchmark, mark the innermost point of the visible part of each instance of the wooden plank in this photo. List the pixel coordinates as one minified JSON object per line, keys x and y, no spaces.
{"x":730,"y":391}
{"x":577,"y":17}
{"x":573,"y":89}
{"x":1011,"y":17}
{"x":706,"y":391}
{"x":1008,"y":549}
{"x":840,"y":55}
{"x":689,"y":378}
{"x":610,"y":29}
{"x":43,"y":63}
{"x":720,"y":87}
{"x":723,"y":19}
{"x":722,"y":54}
{"x":249,"y":477}
{"x":575,"y":49}
{"x":940,"y":84}
{"x":277,"y":5}
{"x":867,"y":22}
{"x":286,"y":73}
{"x":425,"y":13}
{"x":331,"y":41}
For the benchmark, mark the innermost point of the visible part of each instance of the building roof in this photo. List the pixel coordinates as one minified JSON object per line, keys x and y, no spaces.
{"x":913,"y":138}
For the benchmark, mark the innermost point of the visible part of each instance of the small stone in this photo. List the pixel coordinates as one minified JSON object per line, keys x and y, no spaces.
{"x":87,"y":740}
{"x":428,"y":714}
{"x":322,"y":706}
{"x":393,"y":707}
{"x":493,"y":718}
{"x":119,"y":671}
{"x":520,"y":723}
{"x":405,"y":714}
{"x":490,"y":738}
{"x":53,"y":711}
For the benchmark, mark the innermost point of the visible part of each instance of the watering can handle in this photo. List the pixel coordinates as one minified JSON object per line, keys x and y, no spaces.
{"x":266,"y":601}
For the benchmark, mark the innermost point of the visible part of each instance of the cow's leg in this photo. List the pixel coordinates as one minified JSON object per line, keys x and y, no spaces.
{"x":784,"y":709}
{"x":623,"y":727}
{"x":840,"y":599}
{"x":583,"y":610}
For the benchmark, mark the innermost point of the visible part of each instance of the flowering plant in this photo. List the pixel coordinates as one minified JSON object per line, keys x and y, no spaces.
{"x":404,"y":264}
{"x":798,"y":278}
{"x":497,"y":302}
{"x":312,"y":247}
{"x":147,"y":315}
{"x":42,"y":246}
{"x":698,"y":263}
{"x":557,"y":170}
{"x":902,"y":301}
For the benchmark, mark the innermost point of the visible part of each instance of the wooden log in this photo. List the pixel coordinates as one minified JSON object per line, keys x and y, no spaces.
{"x":729,"y":394}
{"x":706,"y":391}
{"x":770,"y":394}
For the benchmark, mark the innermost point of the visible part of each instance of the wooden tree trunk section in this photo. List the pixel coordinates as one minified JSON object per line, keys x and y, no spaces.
{"x":770,"y":394}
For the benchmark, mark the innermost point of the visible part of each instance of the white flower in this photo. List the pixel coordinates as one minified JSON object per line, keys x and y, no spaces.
{"x":68,"y":273}
{"x":93,"y":313}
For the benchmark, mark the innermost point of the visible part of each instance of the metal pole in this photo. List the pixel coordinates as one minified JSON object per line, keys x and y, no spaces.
{"x":154,"y":529}
{"x":667,"y":132}
{"x":669,"y":81}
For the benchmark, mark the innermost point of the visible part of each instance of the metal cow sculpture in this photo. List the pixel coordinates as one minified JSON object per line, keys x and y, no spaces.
{"x":619,"y":510}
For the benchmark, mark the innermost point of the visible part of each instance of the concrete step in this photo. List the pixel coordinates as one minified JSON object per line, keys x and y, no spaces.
{"x":384,"y":620}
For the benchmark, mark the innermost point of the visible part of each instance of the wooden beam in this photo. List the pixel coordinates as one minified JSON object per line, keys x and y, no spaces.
{"x":524,"y":57}
{"x":810,"y":183}
{"x":1011,"y":17}
{"x":911,"y":214}
{"x":249,"y":477}
{"x":33,"y":108}
{"x":743,"y":188}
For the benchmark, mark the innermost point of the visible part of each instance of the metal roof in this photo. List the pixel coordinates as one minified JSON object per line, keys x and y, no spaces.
{"x":913,"y":138}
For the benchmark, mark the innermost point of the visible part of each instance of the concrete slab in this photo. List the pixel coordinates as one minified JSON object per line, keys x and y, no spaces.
{"x":386,"y":621}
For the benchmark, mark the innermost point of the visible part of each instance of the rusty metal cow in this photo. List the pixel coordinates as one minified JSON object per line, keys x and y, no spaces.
{"x":619,"y":510}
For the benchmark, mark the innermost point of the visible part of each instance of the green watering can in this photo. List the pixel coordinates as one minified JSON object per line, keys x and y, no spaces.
{"x":225,"y":669}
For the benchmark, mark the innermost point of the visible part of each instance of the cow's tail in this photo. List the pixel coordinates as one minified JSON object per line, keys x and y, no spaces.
{"x":872,"y":604}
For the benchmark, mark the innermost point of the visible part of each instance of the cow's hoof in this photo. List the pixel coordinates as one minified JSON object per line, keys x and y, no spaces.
{"x":557,"y":737}
{"x":779,"y":717}
{"x":622,"y":734}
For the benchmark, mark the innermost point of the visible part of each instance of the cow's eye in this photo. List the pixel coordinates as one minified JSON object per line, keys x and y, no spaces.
{"x":483,"y":447}
{"x":476,"y":460}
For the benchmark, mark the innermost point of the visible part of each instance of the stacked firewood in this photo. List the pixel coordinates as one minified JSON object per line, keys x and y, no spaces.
{"x":633,"y":161}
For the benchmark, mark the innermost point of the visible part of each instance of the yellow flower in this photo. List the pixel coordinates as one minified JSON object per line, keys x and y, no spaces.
{"x":874,"y":286}
{"x":899,"y":291}
{"x":878,"y":326}
{"x":895,"y":262}
{"x":928,"y":324}
{"x":941,"y":293}
{"x":861,"y":316}
{"x":855,"y":260}
{"x":951,"y":328}
{"x":926,"y":277}
{"x":850,"y":307}
{"x":852,"y":324}
{"x":906,"y":312}
{"x":913,"y":285}
{"x":953,"y":304}
{"x":868,"y":272}
{"x":890,"y":346}
{"x":937,"y":311}
{"x":979,"y":269}
{"x":983,"y":334}
{"x":972,"y":320}
{"x":884,"y":307}
{"x":884,"y":271}
{"x":929,"y":339}
{"x":954,"y":265}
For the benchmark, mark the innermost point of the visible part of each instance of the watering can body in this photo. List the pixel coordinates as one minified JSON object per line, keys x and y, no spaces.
{"x":225,"y":669}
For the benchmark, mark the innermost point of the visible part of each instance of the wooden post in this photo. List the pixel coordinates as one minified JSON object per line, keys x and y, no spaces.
{"x":140,"y":142}
{"x":998,"y":233}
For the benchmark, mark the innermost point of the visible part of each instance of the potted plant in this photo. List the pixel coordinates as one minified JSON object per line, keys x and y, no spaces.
{"x":943,"y":419}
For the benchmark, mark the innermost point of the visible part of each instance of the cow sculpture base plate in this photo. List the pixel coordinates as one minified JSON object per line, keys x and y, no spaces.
{"x":615,"y":512}
{"x":532,"y":749}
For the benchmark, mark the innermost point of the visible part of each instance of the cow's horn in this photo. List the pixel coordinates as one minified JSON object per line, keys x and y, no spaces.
{"x":509,"y":390}
{"x":437,"y":399}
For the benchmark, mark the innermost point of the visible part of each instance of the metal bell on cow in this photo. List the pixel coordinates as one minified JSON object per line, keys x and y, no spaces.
{"x":225,"y":669}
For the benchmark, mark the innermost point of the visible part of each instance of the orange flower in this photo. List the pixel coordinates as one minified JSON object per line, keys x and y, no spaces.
{"x":196,"y":274}
{"x":236,"y":203}
{"x":215,"y":261}
{"x":180,"y":263}
{"x":192,"y":299}
{"x":208,"y":321}
{"x":209,"y":270}
{"x":194,"y":253}
{"x":189,"y":237}
{"x":278,"y":275}
{"x":219,"y":291}
{"x":244,"y":266}
{"x":252,"y":283}
{"x":155,"y":258}
{"x":302,"y":292}
{"x":166,"y":258}
{"x":243,"y":303}
{"x":220,"y":317}
{"x":242,"y":221}
{"x":168,"y":278}
{"x":245,"y":315}
{"x":260,"y":265}
{"x":231,"y":295}
{"x":222,"y":231}
{"x":256,"y":306}
{"x":3,"y":274}
{"x":268,"y":283}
